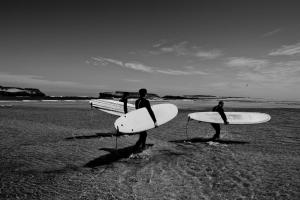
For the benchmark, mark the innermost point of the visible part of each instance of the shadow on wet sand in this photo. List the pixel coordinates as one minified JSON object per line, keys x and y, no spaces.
{"x":113,"y":156}
{"x":96,"y":135}
{"x":205,"y":140}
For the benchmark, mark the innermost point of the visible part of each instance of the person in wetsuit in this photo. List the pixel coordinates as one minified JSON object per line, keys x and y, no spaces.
{"x":219,"y":109}
{"x":124,"y":99}
{"x":142,"y":102}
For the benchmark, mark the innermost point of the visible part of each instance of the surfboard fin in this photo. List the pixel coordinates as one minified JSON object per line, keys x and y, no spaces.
{"x":186,"y":128}
{"x":117,"y":135}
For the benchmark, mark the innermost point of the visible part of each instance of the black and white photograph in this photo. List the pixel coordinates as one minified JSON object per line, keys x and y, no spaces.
{"x":149,"y":100}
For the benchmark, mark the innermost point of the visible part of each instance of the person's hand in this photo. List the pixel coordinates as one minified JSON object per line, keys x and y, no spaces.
{"x":226,"y":123}
{"x":155,"y":124}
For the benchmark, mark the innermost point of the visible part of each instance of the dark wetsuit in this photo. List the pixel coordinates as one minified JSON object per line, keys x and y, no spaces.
{"x":144,"y":103}
{"x":217,"y":126}
{"x":124,"y":100}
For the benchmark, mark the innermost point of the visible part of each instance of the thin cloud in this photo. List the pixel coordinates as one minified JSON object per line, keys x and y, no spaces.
{"x":286,"y":50}
{"x":178,"y":49}
{"x":172,"y":72}
{"x":168,"y":49}
{"x":164,"y":47}
{"x":255,"y":64}
{"x":180,"y":72}
{"x":106,"y":61}
{"x":159,"y":43}
{"x":189,"y":70}
{"x":209,"y":54}
{"x":134,"y":66}
{"x":270,"y":33}
{"x":194,"y":70}
{"x":139,"y":67}
{"x":184,"y":49}
{"x":277,"y":73}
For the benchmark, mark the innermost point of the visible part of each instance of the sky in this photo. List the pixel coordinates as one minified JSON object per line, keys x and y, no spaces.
{"x":223,"y":48}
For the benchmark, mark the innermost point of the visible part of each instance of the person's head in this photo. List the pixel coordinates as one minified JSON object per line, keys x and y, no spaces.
{"x":221,"y":103}
{"x":142,"y":92}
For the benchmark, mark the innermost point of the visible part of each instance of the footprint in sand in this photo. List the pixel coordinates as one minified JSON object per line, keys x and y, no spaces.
{"x":215,"y":144}
{"x":143,"y":155}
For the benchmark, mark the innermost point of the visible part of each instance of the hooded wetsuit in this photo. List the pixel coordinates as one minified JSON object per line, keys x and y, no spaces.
{"x":144,"y":103}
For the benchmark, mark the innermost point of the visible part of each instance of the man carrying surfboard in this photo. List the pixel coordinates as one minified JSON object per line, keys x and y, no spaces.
{"x":142,"y":102}
{"x":219,"y":108}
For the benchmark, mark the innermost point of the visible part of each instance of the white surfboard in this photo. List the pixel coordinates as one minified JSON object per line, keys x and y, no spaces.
{"x":232,"y":117}
{"x":140,"y":120}
{"x":111,"y":106}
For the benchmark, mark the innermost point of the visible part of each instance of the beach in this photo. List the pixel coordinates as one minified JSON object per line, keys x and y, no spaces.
{"x":65,"y":150}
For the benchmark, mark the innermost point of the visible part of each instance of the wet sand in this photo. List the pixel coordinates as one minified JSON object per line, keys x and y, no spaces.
{"x":65,"y":151}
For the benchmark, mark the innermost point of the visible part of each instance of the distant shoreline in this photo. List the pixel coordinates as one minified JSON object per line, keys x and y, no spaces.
{"x":168,"y":97}
{"x":180,"y":103}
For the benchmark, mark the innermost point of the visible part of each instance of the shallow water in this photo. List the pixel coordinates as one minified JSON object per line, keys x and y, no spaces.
{"x":65,"y":151}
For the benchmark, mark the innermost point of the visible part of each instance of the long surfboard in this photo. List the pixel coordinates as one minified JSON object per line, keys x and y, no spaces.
{"x":232,"y":117}
{"x":140,"y":119}
{"x":111,"y":106}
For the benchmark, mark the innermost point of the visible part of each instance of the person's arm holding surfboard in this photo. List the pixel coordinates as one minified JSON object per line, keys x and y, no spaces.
{"x":221,"y":112}
{"x":140,"y":103}
{"x":148,"y":106}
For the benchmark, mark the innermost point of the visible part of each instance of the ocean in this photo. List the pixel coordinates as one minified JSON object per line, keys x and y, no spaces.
{"x":65,"y":150}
